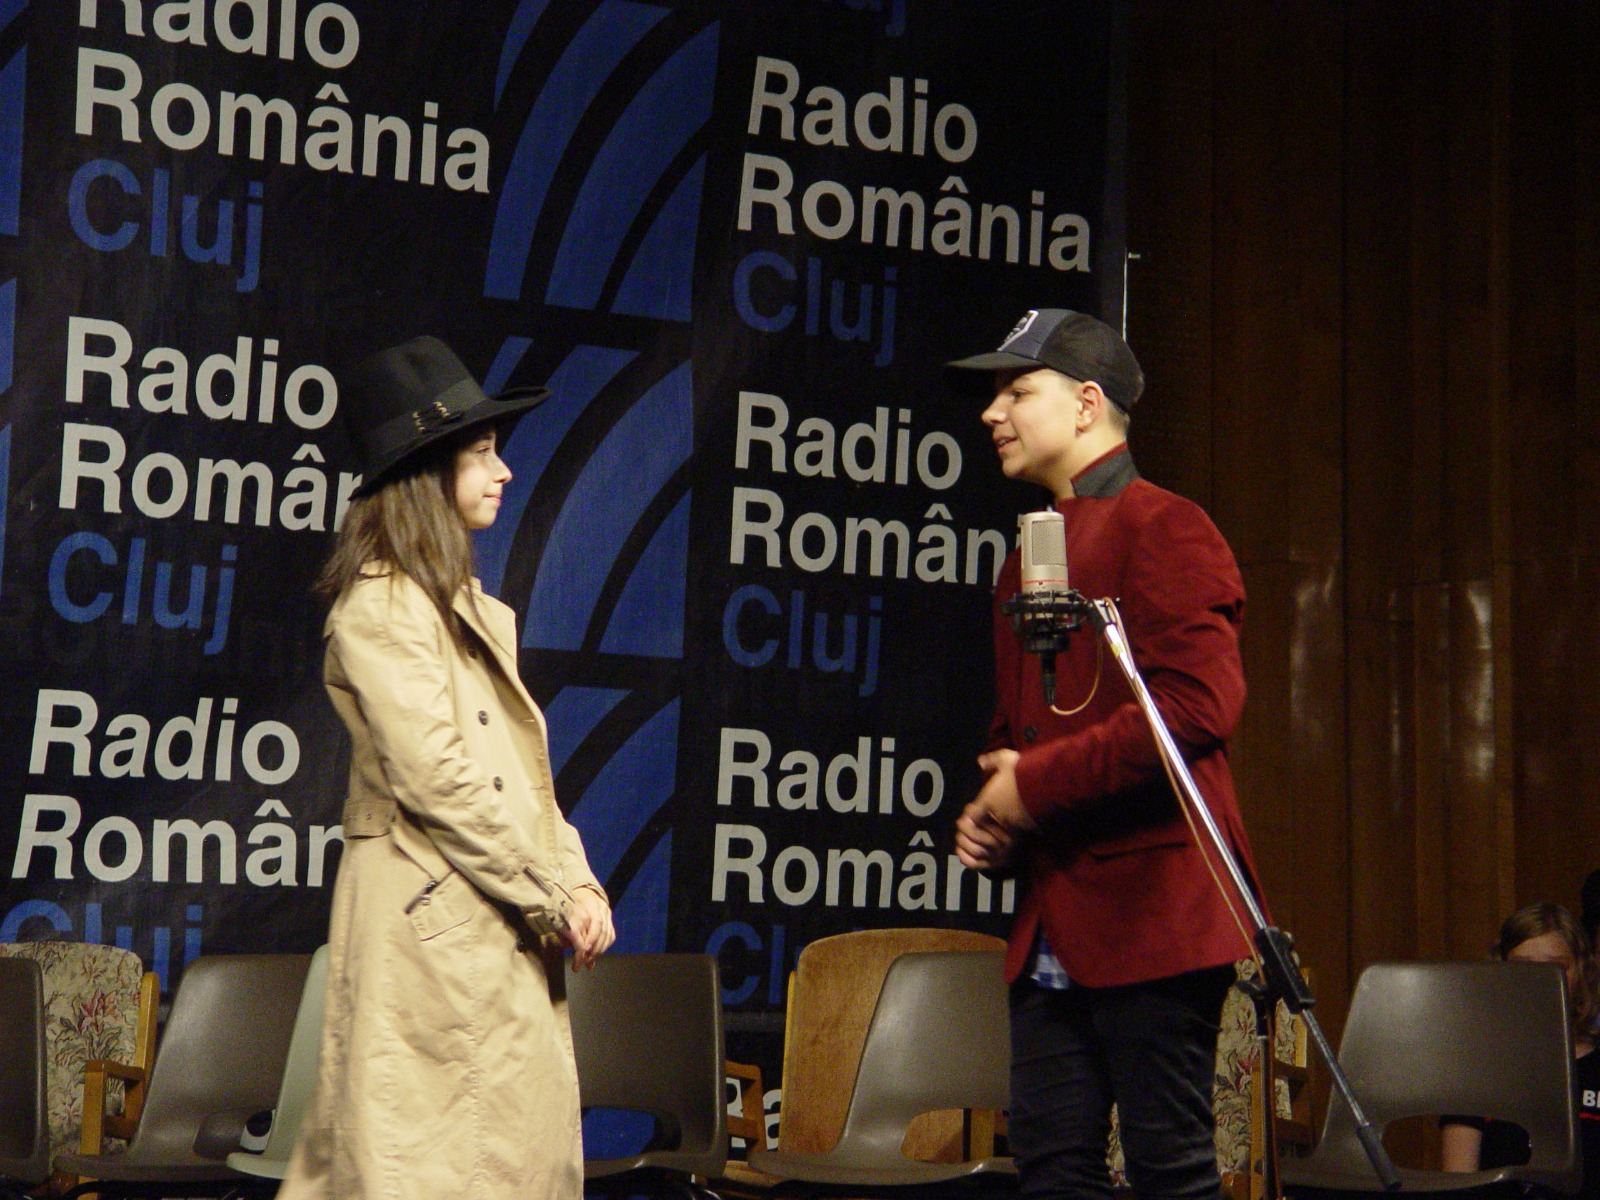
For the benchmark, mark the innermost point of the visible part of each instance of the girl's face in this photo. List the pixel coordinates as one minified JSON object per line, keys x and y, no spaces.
{"x":1547,"y":948}
{"x":480,"y":476}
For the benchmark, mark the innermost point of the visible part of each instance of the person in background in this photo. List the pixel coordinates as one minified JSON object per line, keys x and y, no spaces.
{"x":1542,"y":933}
{"x":447,"y":1064}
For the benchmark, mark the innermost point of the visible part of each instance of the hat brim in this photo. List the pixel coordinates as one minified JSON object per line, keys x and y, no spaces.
{"x":502,"y":411}
{"x":998,"y":360}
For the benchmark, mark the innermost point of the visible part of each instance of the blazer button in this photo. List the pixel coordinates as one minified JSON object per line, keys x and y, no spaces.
{"x":499,"y":784}
{"x":483,"y":717}
{"x":1029,"y":734}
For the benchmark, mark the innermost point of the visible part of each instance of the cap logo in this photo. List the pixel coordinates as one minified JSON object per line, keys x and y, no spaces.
{"x":1020,"y":328}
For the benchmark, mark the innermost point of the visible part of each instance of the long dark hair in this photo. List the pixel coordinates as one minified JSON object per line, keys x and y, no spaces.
{"x":1534,"y":920}
{"x":410,"y":525}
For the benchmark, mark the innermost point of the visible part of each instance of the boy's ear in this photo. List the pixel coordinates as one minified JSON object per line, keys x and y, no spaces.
{"x":1093,"y":402}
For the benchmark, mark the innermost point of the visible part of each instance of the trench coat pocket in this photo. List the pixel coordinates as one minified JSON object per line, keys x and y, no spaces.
{"x":441,"y":905}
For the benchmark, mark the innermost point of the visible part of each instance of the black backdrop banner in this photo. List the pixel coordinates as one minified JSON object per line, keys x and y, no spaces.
{"x":752,"y":536}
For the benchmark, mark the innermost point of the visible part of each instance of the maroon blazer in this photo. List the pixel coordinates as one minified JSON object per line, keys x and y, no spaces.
{"x":1114,"y":876}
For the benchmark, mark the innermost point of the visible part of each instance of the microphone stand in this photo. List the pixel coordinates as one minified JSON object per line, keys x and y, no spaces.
{"x":1044,"y":619}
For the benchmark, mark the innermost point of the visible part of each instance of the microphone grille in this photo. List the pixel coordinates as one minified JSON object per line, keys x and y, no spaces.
{"x":1043,"y":536}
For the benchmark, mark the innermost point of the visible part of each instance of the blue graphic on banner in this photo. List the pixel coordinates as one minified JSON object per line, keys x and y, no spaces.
{"x":658,"y":282}
{"x":576,"y":382}
{"x":13,"y":80}
{"x":628,"y":791}
{"x":8,"y":331}
{"x":505,"y":362}
{"x":646,"y":448}
{"x":574,"y":83}
{"x":573,"y":715}
{"x":649,"y":616}
{"x":5,"y":490}
{"x":517,"y":33}
{"x":641,"y":914}
{"x":659,"y":122}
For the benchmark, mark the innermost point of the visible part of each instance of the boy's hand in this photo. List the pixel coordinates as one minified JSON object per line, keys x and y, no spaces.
{"x":986,"y":830}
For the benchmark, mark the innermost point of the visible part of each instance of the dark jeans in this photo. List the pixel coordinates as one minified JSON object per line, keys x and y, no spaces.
{"x":1151,"y":1047}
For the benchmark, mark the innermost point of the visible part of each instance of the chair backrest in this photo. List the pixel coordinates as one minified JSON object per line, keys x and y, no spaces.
{"x":91,"y":1000}
{"x":832,"y":995}
{"x":1490,"y":1039}
{"x":1239,"y":1112}
{"x":24,"y":1145}
{"x":222,"y":1052}
{"x":299,"y":1078}
{"x":940,"y":1038}
{"x":647,"y":1033}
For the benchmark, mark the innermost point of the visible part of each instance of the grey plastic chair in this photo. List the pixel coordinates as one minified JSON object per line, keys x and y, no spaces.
{"x":1423,"y":1039}
{"x":299,"y":1080}
{"x":939,"y":1039}
{"x":24,"y":1130}
{"x":647,"y":1032}
{"x":220,"y":1060}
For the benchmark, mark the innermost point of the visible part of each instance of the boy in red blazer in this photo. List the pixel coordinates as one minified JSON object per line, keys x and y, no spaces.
{"x":1124,"y":941}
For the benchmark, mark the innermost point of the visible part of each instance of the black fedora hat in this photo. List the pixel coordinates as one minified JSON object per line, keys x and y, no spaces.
{"x":406,"y":399}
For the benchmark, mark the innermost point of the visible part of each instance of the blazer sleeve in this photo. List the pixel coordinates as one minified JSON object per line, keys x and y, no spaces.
{"x":391,"y":646}
{"x":1182,"y":603}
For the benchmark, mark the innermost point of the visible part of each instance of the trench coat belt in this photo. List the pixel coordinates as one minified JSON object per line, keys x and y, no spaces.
{"x":369,"y":816}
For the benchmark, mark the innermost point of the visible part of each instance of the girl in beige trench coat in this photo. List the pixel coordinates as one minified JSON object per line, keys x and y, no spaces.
{"x":447,"y":1066}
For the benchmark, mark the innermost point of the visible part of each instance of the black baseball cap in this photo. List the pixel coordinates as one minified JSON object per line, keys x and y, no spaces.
{"x":1074,"y":343}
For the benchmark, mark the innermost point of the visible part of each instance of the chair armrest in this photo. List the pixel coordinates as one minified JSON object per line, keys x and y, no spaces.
{"x":126,"y":1072}
{"x":751,"y":1123}
{"x":99,"y":1124}
{"x":981,"y":1129}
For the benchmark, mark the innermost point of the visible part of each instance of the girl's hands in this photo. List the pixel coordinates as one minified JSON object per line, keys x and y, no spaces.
{"x":589,"y":931}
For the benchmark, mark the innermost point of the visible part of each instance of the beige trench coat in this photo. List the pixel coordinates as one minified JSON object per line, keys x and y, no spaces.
{"x":447,"y":1063}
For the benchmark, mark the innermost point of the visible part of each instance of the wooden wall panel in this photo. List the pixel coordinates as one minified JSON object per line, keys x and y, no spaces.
{"x":1554,"y":520}
{"x":1369,"y":299}
{"x":1170,"y":320}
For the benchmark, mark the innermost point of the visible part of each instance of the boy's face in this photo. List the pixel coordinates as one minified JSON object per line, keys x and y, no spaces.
{"x":1034,"y":419}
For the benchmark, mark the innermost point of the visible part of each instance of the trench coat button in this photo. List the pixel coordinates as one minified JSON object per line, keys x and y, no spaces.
{"x":483,"y":717}
{"x":1029,"y":734}
{"x":499,"y":784}
{"x":472,"y":652}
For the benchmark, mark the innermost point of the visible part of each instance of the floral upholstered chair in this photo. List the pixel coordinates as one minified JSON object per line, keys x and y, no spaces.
{"x":1240,"y":1128}
{"x":99,"y":1005}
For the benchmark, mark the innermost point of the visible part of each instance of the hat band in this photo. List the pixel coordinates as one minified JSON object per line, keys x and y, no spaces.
{"x":448,"y":407}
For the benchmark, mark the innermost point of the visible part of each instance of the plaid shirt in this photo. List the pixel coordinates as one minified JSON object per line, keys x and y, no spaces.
{"x":1047,"y":970}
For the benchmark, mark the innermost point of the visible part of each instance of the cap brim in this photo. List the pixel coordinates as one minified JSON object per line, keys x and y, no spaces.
{"x":999,"y":360}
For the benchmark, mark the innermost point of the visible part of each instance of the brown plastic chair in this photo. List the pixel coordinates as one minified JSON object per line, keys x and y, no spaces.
{"x":220,"y":1060}
{"x":299,"y":1080}
{"x":647,"y":1032}
{"x":24,"y":1132}
{"x":1424,"y":1039}
{"x":939,"y":1040}
{"x":833,"y":993}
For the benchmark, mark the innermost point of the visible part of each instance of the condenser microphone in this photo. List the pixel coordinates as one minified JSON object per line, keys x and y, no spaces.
{"x":1044,"y":551}
{"x":1043,"y":536}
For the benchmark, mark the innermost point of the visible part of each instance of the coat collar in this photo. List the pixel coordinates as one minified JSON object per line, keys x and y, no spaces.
{"x":501,"y":642}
